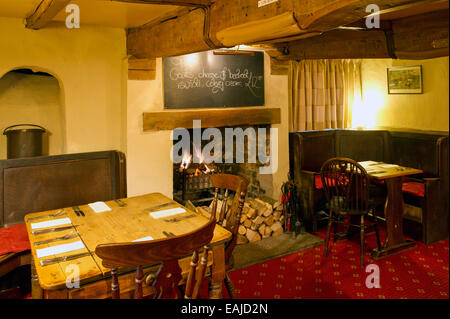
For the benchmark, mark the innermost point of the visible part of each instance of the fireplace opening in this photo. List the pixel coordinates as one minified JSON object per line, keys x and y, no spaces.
{"x":191,"y":175}
{"x":261,"y":216}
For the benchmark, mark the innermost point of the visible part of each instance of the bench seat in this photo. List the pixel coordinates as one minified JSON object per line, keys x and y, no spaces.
{"x":427,"y":151}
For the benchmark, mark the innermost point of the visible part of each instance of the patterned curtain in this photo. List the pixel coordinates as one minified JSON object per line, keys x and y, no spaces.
{"x":322,"y":93}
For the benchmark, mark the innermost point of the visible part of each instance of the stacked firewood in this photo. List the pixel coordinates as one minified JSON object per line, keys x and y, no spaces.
{"x":259,"y":219}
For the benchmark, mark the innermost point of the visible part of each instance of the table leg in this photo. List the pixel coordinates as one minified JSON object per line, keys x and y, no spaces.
{"x":36,"y":291}
{"x":218,"y":272}
{"x":395,"y":241}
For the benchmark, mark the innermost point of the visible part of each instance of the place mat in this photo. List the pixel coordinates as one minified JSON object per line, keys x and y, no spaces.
{"x":51,"y":223}
{"x":168,"y":212}
{"x":59,"y":249}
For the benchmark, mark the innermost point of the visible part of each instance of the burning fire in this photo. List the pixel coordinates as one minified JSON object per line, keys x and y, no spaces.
{"x":186,"y":161}
{"x":202,"y":168}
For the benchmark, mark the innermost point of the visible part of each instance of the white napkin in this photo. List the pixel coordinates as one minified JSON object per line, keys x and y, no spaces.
{"x":143,"y":239}
{"x":367,"y":163}
{"x":59,"y":249}
{"x":99,"y":207}
{"x":168,"y":212}
{"x":51,"y":223}
{"x":387,"y":165}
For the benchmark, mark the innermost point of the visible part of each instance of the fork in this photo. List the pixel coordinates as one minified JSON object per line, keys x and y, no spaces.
{"x":70,"y":235}
{"x":58,"y":213}
{"x":168,"y":234}
{"x":78,"y":211}
{"x":120,"y":203}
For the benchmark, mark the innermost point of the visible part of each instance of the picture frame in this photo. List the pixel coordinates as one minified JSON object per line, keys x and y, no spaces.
{"x":405,"y":80}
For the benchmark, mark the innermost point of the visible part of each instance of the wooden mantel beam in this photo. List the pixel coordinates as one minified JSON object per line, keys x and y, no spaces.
{"x":44,"y":13}
{"x":186,"y":3}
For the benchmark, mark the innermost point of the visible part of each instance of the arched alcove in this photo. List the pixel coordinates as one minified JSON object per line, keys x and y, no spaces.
{"x":28,"y":96}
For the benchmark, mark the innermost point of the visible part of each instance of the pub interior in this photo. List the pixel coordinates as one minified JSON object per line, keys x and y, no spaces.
{"x":273,"y":149}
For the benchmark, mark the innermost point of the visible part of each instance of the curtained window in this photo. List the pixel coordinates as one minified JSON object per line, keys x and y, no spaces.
{"x":322,"y":93}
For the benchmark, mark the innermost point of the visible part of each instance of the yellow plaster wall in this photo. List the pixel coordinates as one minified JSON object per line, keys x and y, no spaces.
{"x":427,"y":111}
{"x":90,"y":66}
{"x":26,"y":98}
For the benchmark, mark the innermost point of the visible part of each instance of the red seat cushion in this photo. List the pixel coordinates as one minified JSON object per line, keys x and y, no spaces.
{"x":318,"y":182}
{"x":319,"y":185}
{"x":414,"y":188}
{"x":14,"y":239}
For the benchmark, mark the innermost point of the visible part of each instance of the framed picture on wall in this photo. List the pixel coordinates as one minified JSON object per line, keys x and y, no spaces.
{"x":405,"y":80}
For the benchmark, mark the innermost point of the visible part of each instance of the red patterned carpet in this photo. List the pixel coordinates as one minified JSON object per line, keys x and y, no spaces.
{"x":419,"y":273}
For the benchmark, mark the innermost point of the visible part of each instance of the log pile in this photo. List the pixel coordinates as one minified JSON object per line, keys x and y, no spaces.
{"x":259,"y":219}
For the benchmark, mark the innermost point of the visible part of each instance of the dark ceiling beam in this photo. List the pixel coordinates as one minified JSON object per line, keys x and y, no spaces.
{"x":184,"y":3}
{"x":422,"y":36}
{"x":413,"y":9}
{"x":417,"y":37}
{"x":339,"y":44}
{"x":313,"y":22}
{"x":44,"y":13}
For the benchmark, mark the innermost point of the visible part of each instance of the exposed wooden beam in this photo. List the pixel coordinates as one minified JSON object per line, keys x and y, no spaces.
{"x":340,"y":44}
{"x":413,"y":9}
{"x":327,"y":15}
{"x":228,"y":23}
{"x":141,"y":69}
{"x":173,"y":37}
{"x":44,"y":13}
{"x":422,"y":36}
{"x":169,"y":120}
{"x":184,"y":3}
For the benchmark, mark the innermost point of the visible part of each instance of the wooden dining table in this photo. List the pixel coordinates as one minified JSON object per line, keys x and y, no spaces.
{"x":128,"y":220}
{"x":392,"y":175}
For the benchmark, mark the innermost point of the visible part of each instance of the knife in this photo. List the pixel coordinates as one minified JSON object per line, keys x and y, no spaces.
{"x":120,"y":203}
{"x":58,"y":213}
{"x":46,"y":262}
{"x":70,"y":235}
{"x":51,"y":230}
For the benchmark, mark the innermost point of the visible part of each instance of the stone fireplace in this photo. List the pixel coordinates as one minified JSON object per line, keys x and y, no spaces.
{"x":191,"y":178}
{"x":262,"y":216}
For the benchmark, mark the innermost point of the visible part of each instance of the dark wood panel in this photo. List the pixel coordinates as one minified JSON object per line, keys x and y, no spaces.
{"x":50,"y":182}
{"x":363,"y":145}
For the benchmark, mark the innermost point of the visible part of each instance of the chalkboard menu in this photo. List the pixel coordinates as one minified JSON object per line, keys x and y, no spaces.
{"x":206,"y":80}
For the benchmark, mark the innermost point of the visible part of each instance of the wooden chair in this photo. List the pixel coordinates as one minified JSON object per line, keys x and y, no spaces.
{"x":229,"y":216}
{"x":346,"y":186}
{"x":167,"y":252}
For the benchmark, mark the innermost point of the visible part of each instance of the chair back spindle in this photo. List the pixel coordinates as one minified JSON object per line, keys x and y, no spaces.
{"x":346,"y":185}
{"x":229,"y":215}
{"x":165,"y":252}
